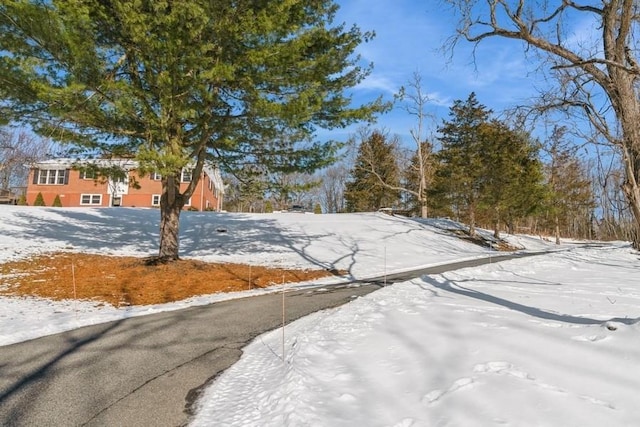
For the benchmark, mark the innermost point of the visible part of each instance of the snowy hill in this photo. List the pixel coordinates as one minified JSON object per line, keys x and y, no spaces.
{"x":546,"y":340}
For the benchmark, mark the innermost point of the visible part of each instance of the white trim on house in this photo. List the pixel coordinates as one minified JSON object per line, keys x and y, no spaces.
{"x":67,"y":163}
{"x":51,"y":176}
{"x":87,"y":199}
{"x":212,"y":172}
{"x":127,"y":164}
{"x":88,"y":175}
{"x":186,"y":175}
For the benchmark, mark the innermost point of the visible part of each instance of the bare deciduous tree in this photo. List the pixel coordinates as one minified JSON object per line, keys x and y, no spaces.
{"x":330,"y":193}
{"x":17,"y":150}
{"x":604,"y":65}
{"x":419,"y":164}
{"x":415,"y":104}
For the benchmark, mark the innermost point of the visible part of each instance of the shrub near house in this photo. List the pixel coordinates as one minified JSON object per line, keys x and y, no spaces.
{"x":76,"y":188}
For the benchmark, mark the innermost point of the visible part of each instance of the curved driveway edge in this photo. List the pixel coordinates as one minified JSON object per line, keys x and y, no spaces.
{"x":148,"y":370}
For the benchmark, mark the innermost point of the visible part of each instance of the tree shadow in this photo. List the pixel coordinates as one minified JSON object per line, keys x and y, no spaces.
{"x":97,"y":230}
{"x":220,"y":237}
{"x":27,"y":388}
{"x":456,"y":288}
{"x":127,"y":230}
{"x":142,"y":367}
{"x":248,"y":234}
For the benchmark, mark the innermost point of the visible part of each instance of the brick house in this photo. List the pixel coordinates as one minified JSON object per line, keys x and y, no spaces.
{"x":76,"y":188}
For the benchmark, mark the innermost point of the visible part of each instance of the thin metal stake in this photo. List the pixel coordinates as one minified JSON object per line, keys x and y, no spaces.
{"x":490,"y":250}
{"x":73,"y":276}
{"x":385,"y":266}
{"x":283,"y":319}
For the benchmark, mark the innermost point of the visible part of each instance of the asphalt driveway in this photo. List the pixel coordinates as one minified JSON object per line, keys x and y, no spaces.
{"x":148,"y":370}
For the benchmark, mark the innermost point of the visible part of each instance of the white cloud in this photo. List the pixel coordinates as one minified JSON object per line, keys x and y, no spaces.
{"x":409,"y":37}
{"x":377,"y":82}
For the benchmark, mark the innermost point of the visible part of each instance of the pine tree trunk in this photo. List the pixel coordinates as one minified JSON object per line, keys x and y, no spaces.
{"x":171,"y":203}
{"x":169,"y":231}
{"x":557,"y":229}
{"x":472,"y":223}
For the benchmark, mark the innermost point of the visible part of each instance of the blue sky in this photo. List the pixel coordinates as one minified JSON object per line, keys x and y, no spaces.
{"x":409,"y":37}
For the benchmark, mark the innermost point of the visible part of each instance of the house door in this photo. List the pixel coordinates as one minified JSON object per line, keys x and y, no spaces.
{"x":117,"y":188}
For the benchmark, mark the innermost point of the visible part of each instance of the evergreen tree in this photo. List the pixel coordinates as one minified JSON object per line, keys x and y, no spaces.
{"x":487,"y":171}
{"x":374,"y":170}
{"x":246,"y":190}
{"x":182,"y":83}
{"x":459,"y":175}
{"x":39,"y":201}
{"x":57,"y":203}
{"x":512,"y":179}
{"x":291,"y":188}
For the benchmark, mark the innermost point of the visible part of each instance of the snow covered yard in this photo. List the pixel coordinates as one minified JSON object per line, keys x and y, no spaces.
{"x":364,"y":245}
{"x":550,"y":340}
{"x":547,"y":340}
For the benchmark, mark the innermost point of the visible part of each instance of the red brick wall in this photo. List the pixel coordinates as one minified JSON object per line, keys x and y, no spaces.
{"x":70,"y":193}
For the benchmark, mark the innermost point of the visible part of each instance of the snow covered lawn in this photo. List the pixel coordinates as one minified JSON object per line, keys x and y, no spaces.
{"x":548,"y":340}
{"x":520,"y":343}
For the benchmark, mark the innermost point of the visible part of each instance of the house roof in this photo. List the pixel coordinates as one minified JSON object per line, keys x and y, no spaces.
{"x":127,"y":164}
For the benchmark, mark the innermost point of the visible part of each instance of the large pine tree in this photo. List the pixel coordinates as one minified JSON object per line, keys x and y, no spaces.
{"x":486,"y":170}
{"x":460,"y":171}
{"x":512,"y":180}
{"x":181,"y":83}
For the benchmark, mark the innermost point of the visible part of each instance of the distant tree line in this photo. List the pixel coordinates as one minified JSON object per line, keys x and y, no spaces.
{"x":476,"y":169}
{"x":260,"y":78}
{"x":484,"y":172}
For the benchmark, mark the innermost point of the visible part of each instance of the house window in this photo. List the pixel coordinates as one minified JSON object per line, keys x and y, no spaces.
{"x":87,"y":175}
{"x":155,"y":200}
{"x":186,"y":175}
{"x":188,"y":202}
{"x":50,"y":177}
{"x":91,"y":199}
{"x":155,"y":176}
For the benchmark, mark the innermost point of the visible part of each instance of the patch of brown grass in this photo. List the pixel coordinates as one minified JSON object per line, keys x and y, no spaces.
{"x":130,"y":281}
